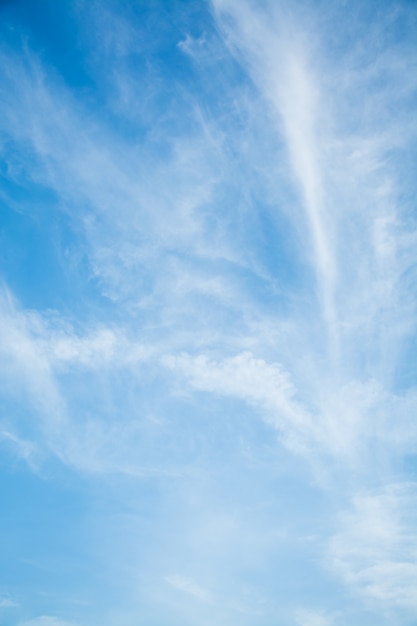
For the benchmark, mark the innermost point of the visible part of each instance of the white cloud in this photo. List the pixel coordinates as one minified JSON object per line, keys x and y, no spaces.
{"x":41,"y":361}
{"x":323,"y":380}
{"x":375,"y":550}
{"x":348,"y":187}
{"x":266,"y":386}
{"x":172,"y":227}
{"x":26,"y":450}
{"x":26,"y":370}
{"x":349,"y":423}
{"x":292,"y":89}
{"x":138,"y":211}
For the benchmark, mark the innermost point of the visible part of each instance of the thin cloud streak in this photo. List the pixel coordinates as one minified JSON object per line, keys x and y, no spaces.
{"x":293,"y":91}
{"x":338,"y":181}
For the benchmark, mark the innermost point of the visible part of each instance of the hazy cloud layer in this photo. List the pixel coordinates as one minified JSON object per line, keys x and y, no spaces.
{"x":208,"y":313}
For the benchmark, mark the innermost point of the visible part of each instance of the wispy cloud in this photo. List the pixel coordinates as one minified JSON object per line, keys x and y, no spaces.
{"x":375,"y":548}
{"x":348,"y":189}
{"x":25,"y":370}
{"x":6,"y":603}
{"x":231,"y":200}
{"x":249,"y":379}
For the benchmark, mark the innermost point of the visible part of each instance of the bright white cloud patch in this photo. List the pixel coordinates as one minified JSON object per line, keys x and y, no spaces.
{"x":253,"y":380}
{"x":208,"y":313}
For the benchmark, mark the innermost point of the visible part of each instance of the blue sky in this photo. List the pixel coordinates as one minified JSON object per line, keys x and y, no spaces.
{"x":208,"y":313}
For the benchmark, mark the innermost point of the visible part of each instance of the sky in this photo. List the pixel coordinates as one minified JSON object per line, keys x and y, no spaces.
{"x":208,"y":313}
